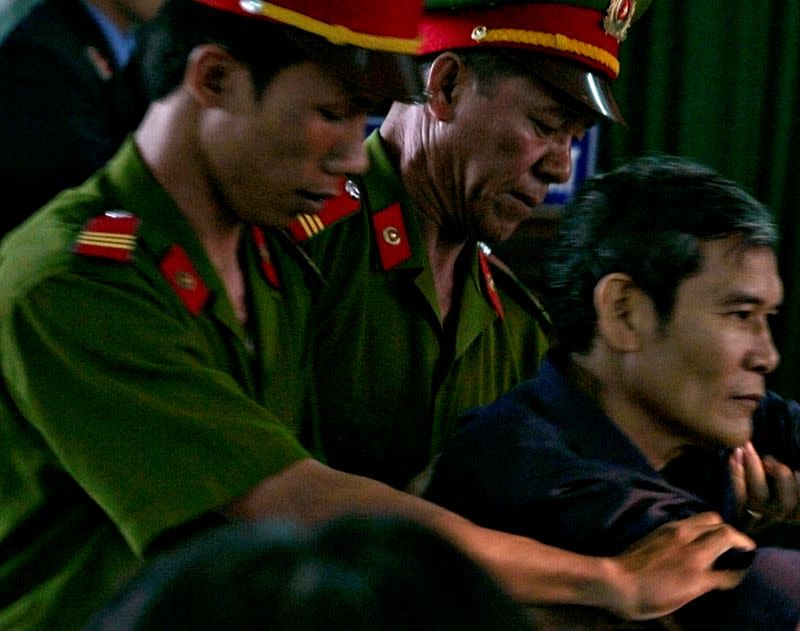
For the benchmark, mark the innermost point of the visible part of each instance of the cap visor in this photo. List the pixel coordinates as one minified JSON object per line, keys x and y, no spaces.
{"x":580,"y":83}
{"x":385,"y":75}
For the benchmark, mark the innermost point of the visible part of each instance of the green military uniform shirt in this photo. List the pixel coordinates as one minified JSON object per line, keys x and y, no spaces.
{"x":133,"y":401}
{"x":391,"y":379}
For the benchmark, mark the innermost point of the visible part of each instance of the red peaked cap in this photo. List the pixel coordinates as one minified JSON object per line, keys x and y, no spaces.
{"x":578,"y":40}
{"x":390,"y":32}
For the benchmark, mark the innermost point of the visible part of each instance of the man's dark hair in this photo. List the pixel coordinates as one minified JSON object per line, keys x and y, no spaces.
{"x":646,"y":219}
{"x":181,"y":25}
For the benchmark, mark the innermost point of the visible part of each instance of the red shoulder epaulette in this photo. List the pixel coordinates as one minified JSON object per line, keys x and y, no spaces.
{"x":112,"y":235}
{"x":345,"y":204}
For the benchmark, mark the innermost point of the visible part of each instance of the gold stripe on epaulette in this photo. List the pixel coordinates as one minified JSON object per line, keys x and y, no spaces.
{"x":311,"y":224}
{"x":108,"y":239}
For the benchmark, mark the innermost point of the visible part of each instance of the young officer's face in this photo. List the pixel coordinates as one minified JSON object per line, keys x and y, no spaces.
{"x":286,"y":152}
{"x":508,"y":142}
{"x":701,"y":376}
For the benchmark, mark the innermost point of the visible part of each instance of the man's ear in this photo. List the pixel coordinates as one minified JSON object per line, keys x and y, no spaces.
{"x":210,"y":73}
{"x":445,"y":79}
{"x":624,"y":312}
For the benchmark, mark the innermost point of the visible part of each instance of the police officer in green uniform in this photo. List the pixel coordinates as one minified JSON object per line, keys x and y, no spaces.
{"x":394,"y":369}
{"x":153,"y":319}
{"x":418,"y":321}
{"x":151,"y":322}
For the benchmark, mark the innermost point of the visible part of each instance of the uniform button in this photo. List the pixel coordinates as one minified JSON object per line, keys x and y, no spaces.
{"x":352,"y":189}
{"x":185,"y":280}
{"x":391,"y":235}
{"x":251,"y":6}
{"x":479,"y":33}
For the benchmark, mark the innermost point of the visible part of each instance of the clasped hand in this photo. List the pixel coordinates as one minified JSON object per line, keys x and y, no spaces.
{"x":767,"y":491}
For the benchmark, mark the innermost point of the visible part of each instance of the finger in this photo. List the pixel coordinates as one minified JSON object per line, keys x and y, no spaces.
{"x":701,"y":520}
{"x":675,"y":535}
{"x":718,"y":538}
{"x":689,"y":528}
{"x":796,"y":515}
{"x":784,"y":487}
{"x":736,"y":469}
{"x":756,"y":479}
{"x":727,"y":579}
{"x":709,"y":546}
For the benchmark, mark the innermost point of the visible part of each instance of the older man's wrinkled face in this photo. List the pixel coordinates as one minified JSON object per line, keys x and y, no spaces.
{"x":509,"y":142}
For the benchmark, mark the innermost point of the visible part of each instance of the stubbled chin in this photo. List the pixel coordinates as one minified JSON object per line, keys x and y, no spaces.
{"x":503,"y":228}
{"x":739,"y":433}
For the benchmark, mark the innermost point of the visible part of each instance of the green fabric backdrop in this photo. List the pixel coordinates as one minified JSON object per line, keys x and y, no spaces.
{"x":718,"y":81}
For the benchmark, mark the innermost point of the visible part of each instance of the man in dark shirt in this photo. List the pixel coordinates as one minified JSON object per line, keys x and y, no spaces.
{"x":653,"y":407}
{"x":72,"y":95}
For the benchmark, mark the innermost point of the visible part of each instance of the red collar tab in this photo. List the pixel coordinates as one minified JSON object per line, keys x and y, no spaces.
{"x":177,"y":268}
{"x":344,"y":204}
{"x":488,"y":282}
{"x":112,"y":235}
{"x":391,"y":235}
{"x":267,"y":266}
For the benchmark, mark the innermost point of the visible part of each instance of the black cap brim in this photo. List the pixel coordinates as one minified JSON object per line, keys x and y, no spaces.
{"x":387,"y":76}
{"x":588,"y":88}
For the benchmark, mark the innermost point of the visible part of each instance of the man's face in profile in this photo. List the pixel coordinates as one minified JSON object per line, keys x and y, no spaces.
{"x":701,"y":375}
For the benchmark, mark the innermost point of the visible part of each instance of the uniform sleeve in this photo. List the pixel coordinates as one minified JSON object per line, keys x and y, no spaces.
{"x":139,"y":405}
{"x":510,"y":470}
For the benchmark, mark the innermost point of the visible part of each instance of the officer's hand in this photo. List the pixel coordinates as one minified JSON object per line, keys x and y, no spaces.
{"x":674,"y":565}
{"x":767,"y":491}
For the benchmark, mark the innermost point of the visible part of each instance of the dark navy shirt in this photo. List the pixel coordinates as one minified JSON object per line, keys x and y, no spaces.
{"x":544,"y":461}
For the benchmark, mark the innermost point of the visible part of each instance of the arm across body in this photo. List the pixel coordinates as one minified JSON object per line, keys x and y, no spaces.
{"x":104,"y":429}
{"x":676,"y":558}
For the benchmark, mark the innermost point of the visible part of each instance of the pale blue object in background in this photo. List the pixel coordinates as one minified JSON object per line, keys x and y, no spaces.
{"x":11,"y":12}
{"x":584,"y":162}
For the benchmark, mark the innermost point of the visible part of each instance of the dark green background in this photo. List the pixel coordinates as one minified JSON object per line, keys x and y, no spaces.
{"x":718,"y":81}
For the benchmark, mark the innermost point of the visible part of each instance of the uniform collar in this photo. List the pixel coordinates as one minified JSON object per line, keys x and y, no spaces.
{"x":385,"y":188}
{"x":139,"y":193}
{"x":164,"y":228}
